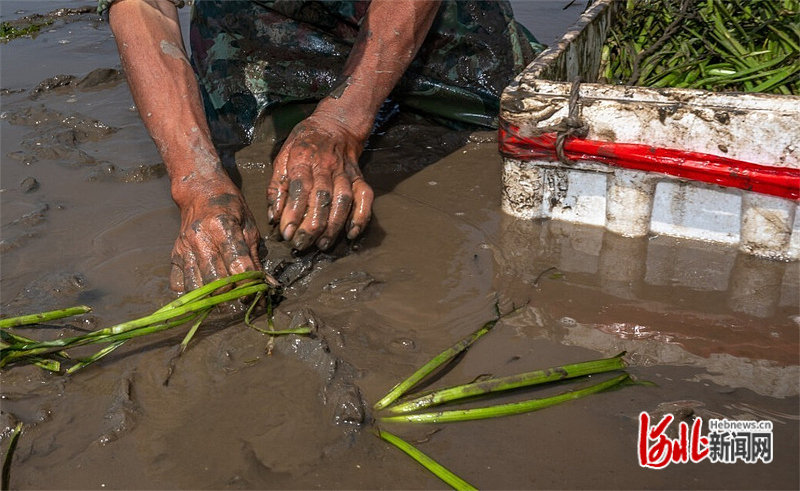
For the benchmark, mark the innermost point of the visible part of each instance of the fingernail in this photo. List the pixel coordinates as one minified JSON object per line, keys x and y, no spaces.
{"x":270,"y":215}
{"x":324,"y":243}
{"x":302,"y":240}
{"x":288,"y":232}
{"x":353,"y":233}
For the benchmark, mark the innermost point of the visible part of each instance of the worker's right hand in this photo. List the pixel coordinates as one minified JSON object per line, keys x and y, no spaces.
{"x":218,"y":236}
{"x":317,"y":189}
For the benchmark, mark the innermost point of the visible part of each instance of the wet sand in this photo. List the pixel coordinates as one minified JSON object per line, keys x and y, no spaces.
{"x":87,"y":218}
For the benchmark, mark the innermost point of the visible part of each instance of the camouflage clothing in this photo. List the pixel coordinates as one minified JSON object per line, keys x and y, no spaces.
{"x":255,"y":56}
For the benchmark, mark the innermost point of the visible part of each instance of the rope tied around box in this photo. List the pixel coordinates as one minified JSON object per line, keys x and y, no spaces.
{"x":572,"y":125}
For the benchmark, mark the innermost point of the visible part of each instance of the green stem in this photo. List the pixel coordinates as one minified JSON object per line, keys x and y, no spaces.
{"x":141,"y":331}
{"x":23,"y":340}
{"x":211,"y":288}
{"x":498,"y":384}
{"x":193,"y":329}
{"x":12,"y":445}
{"x":281,"y":332}
{"x":437,"y":361}
{"x":503,"y":409}
{"x":247,"y":322}
{"x":46,"y":364}
{"x":88,"y":361}
{"x":270,"y":316}
{"x":25,"y":320}
{"x":436,"y":468}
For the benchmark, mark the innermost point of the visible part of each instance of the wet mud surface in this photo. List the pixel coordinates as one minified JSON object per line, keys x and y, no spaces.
{"x":86,"y":217}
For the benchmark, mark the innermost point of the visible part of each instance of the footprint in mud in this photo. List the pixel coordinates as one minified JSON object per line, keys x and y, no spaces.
{"x":56,"y":136}
{"x":341,"y":395}
{"x":121,"y":415}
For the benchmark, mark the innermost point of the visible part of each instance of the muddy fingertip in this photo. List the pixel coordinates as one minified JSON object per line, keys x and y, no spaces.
{"x":324,"y":243}
{"x":288,"y":231}
{"x":302,"y":240}
{"x":353,"y":232}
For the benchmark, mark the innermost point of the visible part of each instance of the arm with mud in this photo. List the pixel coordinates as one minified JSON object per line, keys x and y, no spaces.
{"x":218,"y":235}
{"x":316,"y":183}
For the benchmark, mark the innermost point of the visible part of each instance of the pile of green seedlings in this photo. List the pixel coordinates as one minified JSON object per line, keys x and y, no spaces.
{"x":716,"y":45}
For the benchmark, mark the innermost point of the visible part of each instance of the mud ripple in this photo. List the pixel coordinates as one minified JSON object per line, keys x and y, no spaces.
{"x":56,"y":136}
{"x":100,"y":78}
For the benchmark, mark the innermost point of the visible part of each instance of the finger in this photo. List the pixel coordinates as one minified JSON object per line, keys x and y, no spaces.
{"x":340,"y":210}
{"x":253,"y":238}
{"x":236,"y":256}
{"x":192,"y":278}
{"x":222,"y":249}
{"x":212,"y":267}
{"x":300,"y":184}
{"x":278,"y":187}
{"x":362,"y":207}
{"x":316,"y":220}
{"x":176,"y":274}
{"x":237,"y":253}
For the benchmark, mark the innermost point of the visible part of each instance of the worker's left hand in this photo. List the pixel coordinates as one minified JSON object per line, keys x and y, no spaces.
{"x":317,"y":188}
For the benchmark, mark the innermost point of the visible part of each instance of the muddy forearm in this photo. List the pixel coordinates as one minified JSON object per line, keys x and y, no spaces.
{"x":390,"y":36}
{"x":165,"y":89}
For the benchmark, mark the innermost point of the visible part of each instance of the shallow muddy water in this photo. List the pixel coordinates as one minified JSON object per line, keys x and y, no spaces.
{"x":87,"y":218}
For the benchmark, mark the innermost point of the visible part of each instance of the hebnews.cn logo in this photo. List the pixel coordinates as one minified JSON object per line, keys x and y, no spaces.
{"x":727,"y":442}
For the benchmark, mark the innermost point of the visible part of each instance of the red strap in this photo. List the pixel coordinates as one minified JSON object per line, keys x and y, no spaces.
{"x":776,"y":181}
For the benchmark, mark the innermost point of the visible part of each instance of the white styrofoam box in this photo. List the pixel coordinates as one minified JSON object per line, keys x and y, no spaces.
{"x":757,"y":128}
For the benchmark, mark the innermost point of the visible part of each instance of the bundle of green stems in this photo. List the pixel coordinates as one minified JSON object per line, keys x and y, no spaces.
{"x":192,"y":307}
{"x":716,"y":45}
{"x":398,"y":407}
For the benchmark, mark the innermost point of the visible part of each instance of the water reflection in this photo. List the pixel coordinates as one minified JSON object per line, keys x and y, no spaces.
{"x":667,"y":301}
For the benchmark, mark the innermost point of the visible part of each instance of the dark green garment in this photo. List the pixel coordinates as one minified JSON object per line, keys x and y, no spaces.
{"x":255,"y":57}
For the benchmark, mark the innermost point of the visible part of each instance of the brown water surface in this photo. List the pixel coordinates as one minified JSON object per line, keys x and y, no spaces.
{"x":87,"y":218}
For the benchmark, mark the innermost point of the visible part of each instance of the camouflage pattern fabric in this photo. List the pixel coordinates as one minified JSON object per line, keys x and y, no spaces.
{"x":256,"y":57}
{"x":253,"y":57}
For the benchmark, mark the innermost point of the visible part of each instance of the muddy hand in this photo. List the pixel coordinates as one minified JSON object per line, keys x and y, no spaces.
{"x":317,"y":189}
{"x":218,"y":238}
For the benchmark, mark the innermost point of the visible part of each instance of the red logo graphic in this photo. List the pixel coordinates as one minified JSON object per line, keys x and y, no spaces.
{"x":665,"y":450}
